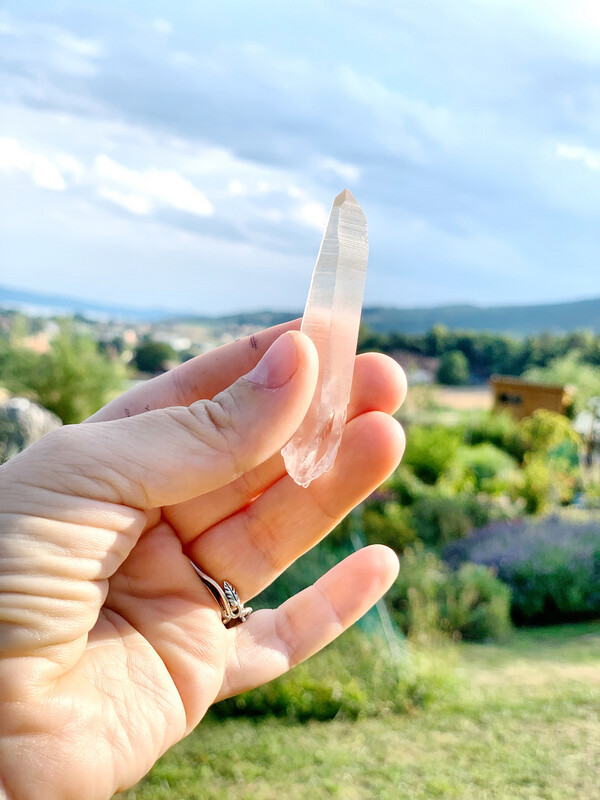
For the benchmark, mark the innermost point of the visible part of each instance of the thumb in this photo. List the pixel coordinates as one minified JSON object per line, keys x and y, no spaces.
{"x":73,"y":505}
{"x":173,"y":454}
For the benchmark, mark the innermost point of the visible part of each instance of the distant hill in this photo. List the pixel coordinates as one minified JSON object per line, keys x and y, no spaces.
{"x":516,"y":320}
{"x":50,"y":304}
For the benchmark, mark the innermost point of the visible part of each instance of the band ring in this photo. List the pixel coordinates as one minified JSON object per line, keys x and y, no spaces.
{"x":233,"y":611}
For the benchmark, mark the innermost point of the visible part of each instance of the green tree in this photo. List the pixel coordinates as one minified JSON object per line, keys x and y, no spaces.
{"x":73,"y":380}
{"x":153,"y":356}
{"x":569,"y":370}
{"x":453,"y":369}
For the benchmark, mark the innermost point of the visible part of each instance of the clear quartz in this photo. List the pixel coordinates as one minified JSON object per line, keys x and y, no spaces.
{"x":331,"y":319}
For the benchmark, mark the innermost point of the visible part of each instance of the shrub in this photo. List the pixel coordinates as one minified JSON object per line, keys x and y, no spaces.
{"x":438,"y":519}
{"x":499,"y":429}
{"x":477,"y":604}
{"x":390,"y":524}
{"x":405,"y":485}
{"x":480,"y":468}
{"x":545,"y":431}
{"x":544,"y":483}
{"x":536,"y":484}
{"x":429,"y":451}
{"x":552,"y":564}
{"x":356,"y":676}
{"x":429,"y":598}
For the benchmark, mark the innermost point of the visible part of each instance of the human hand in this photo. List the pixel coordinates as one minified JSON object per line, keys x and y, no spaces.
{"x":111,"y":648}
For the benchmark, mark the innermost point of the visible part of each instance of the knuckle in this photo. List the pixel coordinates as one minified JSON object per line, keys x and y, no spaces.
{"x":216,"y":424}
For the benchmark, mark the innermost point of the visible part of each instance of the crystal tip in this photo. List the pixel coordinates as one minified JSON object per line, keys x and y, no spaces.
{"x":344,"y":197}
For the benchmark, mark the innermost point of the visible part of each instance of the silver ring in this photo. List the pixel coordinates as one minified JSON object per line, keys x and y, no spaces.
{"x":232,"y":609}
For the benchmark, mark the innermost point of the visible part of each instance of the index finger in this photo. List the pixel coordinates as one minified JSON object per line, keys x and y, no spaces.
{"x":199,"y":378}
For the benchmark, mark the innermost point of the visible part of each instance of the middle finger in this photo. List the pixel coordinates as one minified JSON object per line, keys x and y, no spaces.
{"x":378,"y":384}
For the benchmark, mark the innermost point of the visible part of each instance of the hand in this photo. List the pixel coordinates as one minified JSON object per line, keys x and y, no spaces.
{"x":112,"y":649}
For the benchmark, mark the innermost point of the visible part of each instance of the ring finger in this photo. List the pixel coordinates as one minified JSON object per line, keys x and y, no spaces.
{"x":253,"y":546}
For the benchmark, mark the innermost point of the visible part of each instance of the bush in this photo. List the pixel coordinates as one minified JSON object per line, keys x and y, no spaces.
{"x":429,"y":598}
{"x":552,"y":565}
{"x":480,"y":468}
{"x":405,"y":486}
{"x":354,"y":677}
{"x":430,"y":451}
{"x":499,"y":429}
{"x":477,"y":604}
{"x":390,"y":524}
{"x":545,"y":432}
{"x":438,"y":519}
{"x":545,"y":483}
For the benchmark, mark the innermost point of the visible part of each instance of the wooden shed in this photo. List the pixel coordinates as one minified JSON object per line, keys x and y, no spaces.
{"x":521,"y":398}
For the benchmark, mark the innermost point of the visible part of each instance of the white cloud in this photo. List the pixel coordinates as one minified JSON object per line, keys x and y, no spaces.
{"x":39,"y":168}
{"x":160,"y":187}
{"x":88,"y":48}
{"x":313,"y":215}
{"x":586,"y":155}
{"x":134,"y":203}
{"x":162,"y":26}
{"x":347,"y":172}
{"x":236,"y":188}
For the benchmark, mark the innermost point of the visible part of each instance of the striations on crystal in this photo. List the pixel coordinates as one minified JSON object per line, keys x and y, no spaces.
{"x":331,"y":319}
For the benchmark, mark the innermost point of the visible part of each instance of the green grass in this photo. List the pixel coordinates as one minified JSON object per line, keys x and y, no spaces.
{"x":522,"y":722}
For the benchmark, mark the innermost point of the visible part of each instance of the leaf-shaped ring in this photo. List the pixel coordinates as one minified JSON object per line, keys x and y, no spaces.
{"x":232,"y":609}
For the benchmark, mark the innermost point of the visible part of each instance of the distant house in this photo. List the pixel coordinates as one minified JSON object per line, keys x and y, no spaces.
{"x":521,"y":398}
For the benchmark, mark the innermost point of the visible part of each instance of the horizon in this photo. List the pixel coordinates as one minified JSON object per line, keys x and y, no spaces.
{"x":54,"y":299}
{"x":157,"y":153}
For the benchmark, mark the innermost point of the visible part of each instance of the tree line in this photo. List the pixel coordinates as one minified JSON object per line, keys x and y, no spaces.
{"x":485,"y":354}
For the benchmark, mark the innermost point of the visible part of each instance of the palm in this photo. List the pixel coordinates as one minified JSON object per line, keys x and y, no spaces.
{"x":144,"y":653}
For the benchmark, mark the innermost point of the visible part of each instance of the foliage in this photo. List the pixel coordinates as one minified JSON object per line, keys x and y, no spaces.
{"x":545,"y":431}
{"x":430,"y":451}
{"x":570,"y":369}
{"x":536,"y":484}
{"x":480,"y":468}
{"x":552,"y":564}
{"x":355,"y":677}
{"x":497,"y":428}
{"x":453,"y":369}
{"x":428,"y":597}
{"x":153,"y":357}
{"x":73,"y":380}
{"x":477,"y":604}
{"x":438,"y":519}
{"x":390,"y":524}
{"x":489,"y":353}
{"x":404,"y":485}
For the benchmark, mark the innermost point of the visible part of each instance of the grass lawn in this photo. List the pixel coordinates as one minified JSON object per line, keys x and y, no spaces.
{"x":523,"y":722}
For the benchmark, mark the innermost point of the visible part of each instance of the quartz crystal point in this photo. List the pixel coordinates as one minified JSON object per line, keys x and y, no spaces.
{"x":331,"y":319}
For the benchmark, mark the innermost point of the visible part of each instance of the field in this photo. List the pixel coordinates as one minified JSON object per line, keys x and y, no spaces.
{"x":463,"y":398}
{"x":523,"y":723}
{"x":446,"y":405}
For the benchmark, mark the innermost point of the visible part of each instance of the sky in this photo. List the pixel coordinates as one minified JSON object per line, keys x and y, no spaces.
{"x":185,"y":155}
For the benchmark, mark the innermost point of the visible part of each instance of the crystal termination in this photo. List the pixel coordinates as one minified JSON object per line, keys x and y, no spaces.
{"x":331,"y":319}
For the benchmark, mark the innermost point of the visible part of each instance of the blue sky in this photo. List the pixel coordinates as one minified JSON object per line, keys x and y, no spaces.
{"x":185,"y":155}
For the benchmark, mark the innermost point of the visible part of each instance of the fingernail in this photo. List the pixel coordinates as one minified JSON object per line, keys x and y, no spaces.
{"x":277,"y":365}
